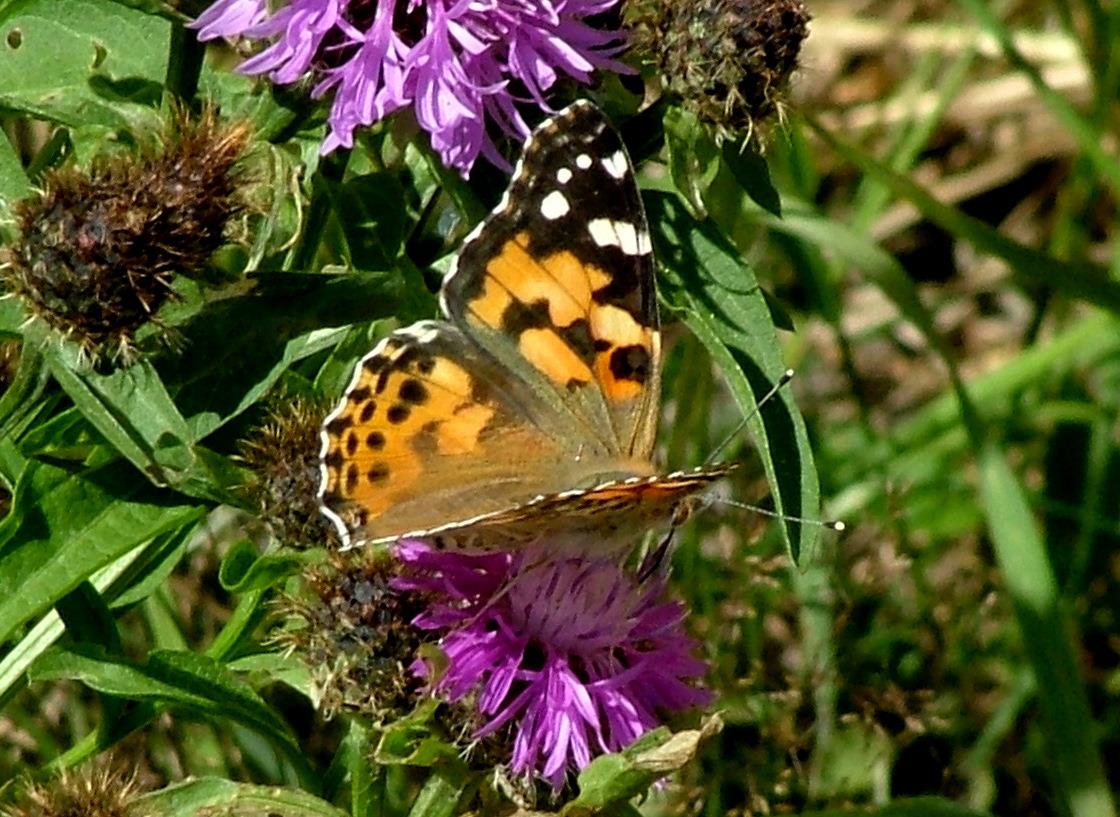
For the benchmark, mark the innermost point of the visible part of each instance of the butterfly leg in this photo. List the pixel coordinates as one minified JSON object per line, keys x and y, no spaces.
{"x":657,"y":558}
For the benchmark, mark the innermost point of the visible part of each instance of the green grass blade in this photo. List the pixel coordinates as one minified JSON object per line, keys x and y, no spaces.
{"x":1084,"y":133}
{"x":1086,"y":281}
{"x":1067,"y":721}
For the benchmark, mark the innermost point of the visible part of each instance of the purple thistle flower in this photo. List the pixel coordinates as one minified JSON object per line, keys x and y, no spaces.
{"x":459,"y":63}
{"x":229,"y":18}
{"x":572,"y":654}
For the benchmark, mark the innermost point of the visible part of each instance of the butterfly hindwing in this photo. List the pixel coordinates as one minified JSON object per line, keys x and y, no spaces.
{"x":558,"y":282}
{"x":430,"y":429}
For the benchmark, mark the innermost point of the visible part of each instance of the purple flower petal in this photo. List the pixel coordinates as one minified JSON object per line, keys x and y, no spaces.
{"x":472,"y":65}
{"x":574,"y":655}
{"x":304,"y":24}
{"x":229,"y":18}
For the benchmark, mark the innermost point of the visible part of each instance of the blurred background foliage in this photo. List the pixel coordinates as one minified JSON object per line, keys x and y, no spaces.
{"x":948,"y":174}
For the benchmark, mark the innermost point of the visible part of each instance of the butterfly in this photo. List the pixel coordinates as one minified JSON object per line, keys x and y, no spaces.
{"x":529,"y":412}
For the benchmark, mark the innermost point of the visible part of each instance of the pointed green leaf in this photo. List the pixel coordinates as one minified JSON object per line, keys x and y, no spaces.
{"x":616,"y":778}
{"x":212,"y":795}
{"x":65,"y":525}
{"x":722,"y":303}
{"x":173,"y":678}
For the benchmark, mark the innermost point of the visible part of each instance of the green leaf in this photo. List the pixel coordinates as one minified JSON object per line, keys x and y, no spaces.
{"x":12,"y":318}
{"x":264,"y":668}
{"x":724,"y":306}
{"x":20,"y":403}
{"x":80,"y":61}
{"x":366,"y":788}
{"x":440,"y":795}
{"x":14,"y":184}
{"x":212,"y":795}
{"x":181,"y":679}
{"x":49,"y":628}
{"x":693,"y":158}
{"x":409,"y":741}
{"x":616,"y":778}
{"x":88,"y":619}
{"x":753,"y":174}
{"x":1067,"y":719}
{"x":244,"y":568}
{"x":65,"y":524}
{"x":374,"y":219}
{"x":133,"y":411}
{"x":147,"y":574}
{"x":427,"y":166}
{"x":241,"y":346}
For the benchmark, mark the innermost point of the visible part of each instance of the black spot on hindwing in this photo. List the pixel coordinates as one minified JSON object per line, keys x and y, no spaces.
{"x":630,"y":363}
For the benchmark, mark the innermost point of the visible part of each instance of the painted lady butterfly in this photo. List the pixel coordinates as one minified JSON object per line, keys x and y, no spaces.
{"x":529,"y":413}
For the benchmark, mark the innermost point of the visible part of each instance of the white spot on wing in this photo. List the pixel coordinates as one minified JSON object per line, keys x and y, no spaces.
{"x":621,"y":234}
{"x":554,"y":205}
{"x":583,"y":161}
{"x":615,"y":164}
{"x":645,"y":247}
{"x":602,"y":232}
{"x":422,"y":331}
{"x":563,"y":175}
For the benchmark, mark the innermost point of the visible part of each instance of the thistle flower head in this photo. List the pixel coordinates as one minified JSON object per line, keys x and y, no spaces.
{"x":571,"y":658}
{"x":283,"y":455}
{"x":458,"y":64}
{"x":728,"y":60}
{"x":97,"y":250}
{"x":95,"y":789}
{"x":353,"y":631}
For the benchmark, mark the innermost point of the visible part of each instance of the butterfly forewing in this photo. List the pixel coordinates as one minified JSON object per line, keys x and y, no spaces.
{"x":558,"y":283}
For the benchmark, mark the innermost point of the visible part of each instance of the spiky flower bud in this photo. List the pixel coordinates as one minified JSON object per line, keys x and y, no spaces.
{"x":283,"y":455}
{"x":96,"y":789}
{"x":97,"y":250}
{"x":728,"y":60}
{"x":355,"y":634}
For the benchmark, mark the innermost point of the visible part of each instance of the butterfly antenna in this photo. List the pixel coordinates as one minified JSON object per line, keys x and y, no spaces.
{"x":834,"y":524}
{"x":787,"y":376}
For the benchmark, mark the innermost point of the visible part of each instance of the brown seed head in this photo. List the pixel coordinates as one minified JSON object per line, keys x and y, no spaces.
{"x":355,"y":634}
{"x":96,"y":789}
{"x":727,"y":60}
{"x":98,"y":250}
{"x":283,"y":455}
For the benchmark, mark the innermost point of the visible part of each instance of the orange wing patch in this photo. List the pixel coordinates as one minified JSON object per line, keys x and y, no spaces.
{"x":552,"y":308}
{"x":403,"y":406}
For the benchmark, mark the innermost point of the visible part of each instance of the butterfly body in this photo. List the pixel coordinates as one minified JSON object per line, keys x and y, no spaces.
{"x":529,"y":413}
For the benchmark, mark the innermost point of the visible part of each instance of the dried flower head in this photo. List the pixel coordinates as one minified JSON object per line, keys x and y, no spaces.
{"x":354,"y":632}
{"x":456,"y":63}
{"x":97,"y":250}
{"x":570,"y":658}
{"x":728,"y":60}
{"x":96,"y":789}
{"x":283,"y":455}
